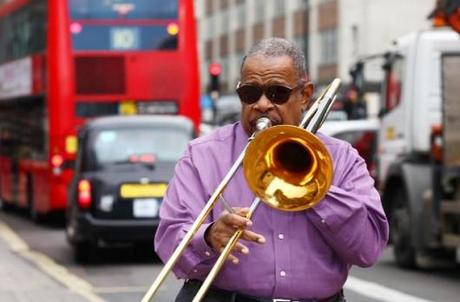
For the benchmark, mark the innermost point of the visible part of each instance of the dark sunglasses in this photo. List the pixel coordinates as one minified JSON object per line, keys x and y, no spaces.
{"x":277,"y":94}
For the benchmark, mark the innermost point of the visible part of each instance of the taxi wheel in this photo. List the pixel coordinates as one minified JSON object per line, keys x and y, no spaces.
{"x":84,"y":252}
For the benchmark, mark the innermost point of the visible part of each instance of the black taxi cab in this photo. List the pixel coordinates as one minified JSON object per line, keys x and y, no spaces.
{"x":122,"y":171}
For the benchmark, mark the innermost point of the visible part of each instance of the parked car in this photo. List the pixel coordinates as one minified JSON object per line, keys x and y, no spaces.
{"x":228,"y":109}
{"x":121,"y":173}
{"x":361,"y":134}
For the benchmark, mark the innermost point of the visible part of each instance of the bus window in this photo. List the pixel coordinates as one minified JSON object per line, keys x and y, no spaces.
{"x":126,"y":9}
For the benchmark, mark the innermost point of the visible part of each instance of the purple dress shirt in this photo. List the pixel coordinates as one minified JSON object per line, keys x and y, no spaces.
{"x":307,"y":254}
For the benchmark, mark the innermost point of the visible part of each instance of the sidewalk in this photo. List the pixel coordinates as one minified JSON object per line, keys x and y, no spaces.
{"x":21,"y":280}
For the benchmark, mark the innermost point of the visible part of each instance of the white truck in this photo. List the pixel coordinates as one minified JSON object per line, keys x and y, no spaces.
{"x":419,"y":147}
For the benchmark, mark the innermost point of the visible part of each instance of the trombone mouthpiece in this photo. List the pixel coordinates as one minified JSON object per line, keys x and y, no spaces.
{"x":263,"y":123}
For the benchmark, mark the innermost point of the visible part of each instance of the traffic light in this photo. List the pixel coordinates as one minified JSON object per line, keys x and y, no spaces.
{"x":357,"y":75}
{"x":215,"y":69}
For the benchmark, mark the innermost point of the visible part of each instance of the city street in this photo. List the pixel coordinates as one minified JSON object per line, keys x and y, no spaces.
{"x":124,"y":274}
{"x":115,"y":111}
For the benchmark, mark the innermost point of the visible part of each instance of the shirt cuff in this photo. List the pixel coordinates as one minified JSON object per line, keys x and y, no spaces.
{"x":199,"y":245}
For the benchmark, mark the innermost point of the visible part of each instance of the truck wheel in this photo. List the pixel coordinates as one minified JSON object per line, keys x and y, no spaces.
{"x":400,"y":224}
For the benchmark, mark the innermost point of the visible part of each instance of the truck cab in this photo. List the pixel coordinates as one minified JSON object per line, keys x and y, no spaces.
{"x":420,"y":97}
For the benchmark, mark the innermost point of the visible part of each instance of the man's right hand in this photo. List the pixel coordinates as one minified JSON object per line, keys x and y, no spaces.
{"x":220,"y":232}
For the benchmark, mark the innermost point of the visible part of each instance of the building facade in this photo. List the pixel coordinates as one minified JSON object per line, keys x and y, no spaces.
{"x":333,"y":33}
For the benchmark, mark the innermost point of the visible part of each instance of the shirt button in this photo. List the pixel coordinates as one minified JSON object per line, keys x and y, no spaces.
{"x":207,"y":253}
{"x":195,"y":271}
{"x":282,"y":273}
{"x":323,"y":221}
{"x":280,"y":236}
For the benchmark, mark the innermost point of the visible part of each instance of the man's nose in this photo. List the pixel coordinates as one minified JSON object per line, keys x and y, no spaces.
{"x":263,"y":104}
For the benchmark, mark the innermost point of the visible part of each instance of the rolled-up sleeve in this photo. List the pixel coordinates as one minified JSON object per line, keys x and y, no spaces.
{"x":351,"y":216}
{"x":183,"y":201}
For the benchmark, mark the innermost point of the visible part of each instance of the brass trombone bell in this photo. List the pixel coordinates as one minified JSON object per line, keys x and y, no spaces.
{"x":288,"y":168}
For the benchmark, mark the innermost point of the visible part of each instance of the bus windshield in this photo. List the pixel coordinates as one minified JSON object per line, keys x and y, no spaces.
{"x":123,"y":9}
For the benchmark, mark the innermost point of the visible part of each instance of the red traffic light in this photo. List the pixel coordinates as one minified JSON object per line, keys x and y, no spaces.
{"x":215,"y":69}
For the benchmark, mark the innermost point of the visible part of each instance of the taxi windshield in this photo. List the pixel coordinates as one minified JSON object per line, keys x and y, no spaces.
{"x":128,"y":145}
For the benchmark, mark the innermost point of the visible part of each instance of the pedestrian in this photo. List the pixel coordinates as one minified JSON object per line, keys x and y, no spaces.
{"x":295,"y":256}
{"x":354,"y":105}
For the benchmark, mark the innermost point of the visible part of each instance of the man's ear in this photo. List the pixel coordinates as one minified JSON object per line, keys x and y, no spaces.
{"x":307,"y":92}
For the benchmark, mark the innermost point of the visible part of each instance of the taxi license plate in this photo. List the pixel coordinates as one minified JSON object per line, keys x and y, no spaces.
{"x":140,"y":190}
{"x":145,"y":208}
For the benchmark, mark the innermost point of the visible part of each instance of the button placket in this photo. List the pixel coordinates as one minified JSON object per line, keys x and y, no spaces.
{"x":282,"y":260}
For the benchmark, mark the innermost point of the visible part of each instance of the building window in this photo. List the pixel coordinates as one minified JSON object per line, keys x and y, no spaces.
{"x":328,"y":40}
{"x":240,"y":40}
{"x":279,"y":27}
{"x":258,"y":31}
{"x":23,"y":32}
{"x":208,"y":7}
{"x":223,"y":43}
{"x":223,"y":4}
{"x":300,"y":42}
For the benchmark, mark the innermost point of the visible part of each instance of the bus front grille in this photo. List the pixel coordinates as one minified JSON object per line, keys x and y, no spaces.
{"x":100,"y":75}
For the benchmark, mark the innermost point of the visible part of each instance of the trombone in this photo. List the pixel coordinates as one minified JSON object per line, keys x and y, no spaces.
{"x":285,"y":166}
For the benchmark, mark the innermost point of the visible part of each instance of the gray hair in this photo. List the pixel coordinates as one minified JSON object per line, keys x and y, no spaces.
{"x":278,"y":47}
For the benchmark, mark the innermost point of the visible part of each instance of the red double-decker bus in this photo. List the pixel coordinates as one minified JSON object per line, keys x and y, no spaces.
{"x":65,"y":61}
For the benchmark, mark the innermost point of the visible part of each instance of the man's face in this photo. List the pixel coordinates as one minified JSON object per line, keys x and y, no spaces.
{"x":263,"y":72}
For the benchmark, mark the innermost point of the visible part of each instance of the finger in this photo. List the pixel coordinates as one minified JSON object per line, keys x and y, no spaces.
{"x":241,"y":248}
{"x":241,"y":211}
{"x":231,"y":257}
{"x":236,"y":221}
{"x":251,"y":236}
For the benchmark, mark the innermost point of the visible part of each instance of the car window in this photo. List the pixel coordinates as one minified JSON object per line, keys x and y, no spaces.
{"x":120,"y":145}
{"x":363,"y":140}
{"x":394,"y":81}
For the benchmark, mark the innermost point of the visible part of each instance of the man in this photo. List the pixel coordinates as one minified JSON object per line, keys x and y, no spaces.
{"x":297,"y":256}
{"x":353,"y":105}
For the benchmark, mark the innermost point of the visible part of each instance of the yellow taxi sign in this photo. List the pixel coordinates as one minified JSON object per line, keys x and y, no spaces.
{"x":127,"y":108}
{"x":143,"y":190}
{"x":71,"y":144}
